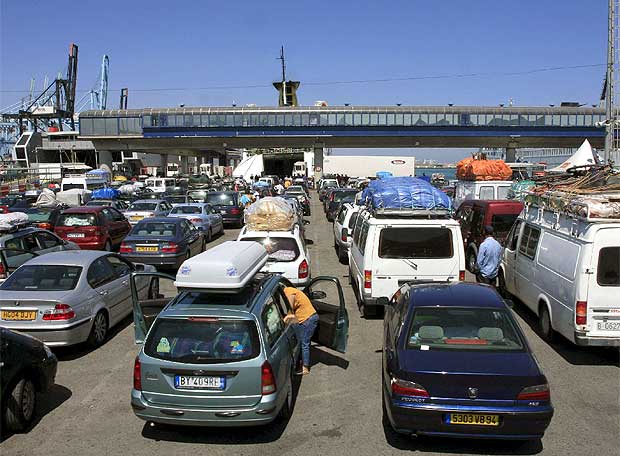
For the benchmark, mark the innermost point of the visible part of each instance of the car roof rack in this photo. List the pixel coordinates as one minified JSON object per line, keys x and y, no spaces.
{"x":437,"y":213}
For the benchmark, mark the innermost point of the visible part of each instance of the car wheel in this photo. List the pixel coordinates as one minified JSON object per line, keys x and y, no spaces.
{"x":108,"y":246}
{"x":287,"y":408}
{"x":21,"y":405}
{"x":99,"y":330}
{"x":342,"y":255}
{"x":501,"y":286}
{"x":209,"y":238}
{"x":544,"y":323}
{"x":471,"y":260}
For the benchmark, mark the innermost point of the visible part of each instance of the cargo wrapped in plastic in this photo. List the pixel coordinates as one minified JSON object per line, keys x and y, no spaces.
{"x":105,"y":193}
{"x":47,"y":198}
{"x":269,"y":214}
{"x":12,"y":220}
{"x":518,"y":190}
{"x":74,"y":197}
{"x":405,"y":193}
{"x":472,"y":169}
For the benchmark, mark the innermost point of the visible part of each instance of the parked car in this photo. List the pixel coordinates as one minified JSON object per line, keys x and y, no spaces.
{"x":229,"y":205}
{"x":328,"y":192}
{"x":66,"y":298}
{"x":302,"y":196}
{"x":324,"y":185}
{"x":14,"y":203}
{"x":566,"y":269}
{"x":219,"y":353}
{"x":456,"y":364}
{"x":28,"y":368}
{"x":93,"y":227}
{"x":336,"y":198}
{"x":44,"y":217}
{"x":142,"y":209}
{"x":389,"y":250}
{"x":163,"y":241}
{"x":474,"y":215}
{"x":179,"y":199}
{"x":118,"y":204}
{"x":343,"y":229}
{"x":202,"y":216}
{"x":287,"y":253}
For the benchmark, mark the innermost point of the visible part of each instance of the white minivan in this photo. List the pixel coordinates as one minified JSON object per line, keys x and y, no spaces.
{"x":390,"y":250}
{"x":567,"y":270}
{"x":480,"y":190}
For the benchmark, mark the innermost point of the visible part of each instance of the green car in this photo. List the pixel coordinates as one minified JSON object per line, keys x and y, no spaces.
{"x":219,"y":353}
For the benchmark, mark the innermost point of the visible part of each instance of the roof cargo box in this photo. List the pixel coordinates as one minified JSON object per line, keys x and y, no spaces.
{"x":230,"y":265}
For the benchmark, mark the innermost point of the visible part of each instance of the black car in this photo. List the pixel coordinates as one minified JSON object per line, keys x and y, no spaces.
{"x":13,"y":203}
{"x":229,"y":205}
{"x":336,"y":198}
{"x":28,"y":367}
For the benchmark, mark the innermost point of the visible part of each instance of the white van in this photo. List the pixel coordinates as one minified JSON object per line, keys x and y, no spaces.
{"x":480,"y":190}
{"x":82,"y":182}
{"x":389,"y":250}
{"x":566,"y":269}
{"x":160,"y":184}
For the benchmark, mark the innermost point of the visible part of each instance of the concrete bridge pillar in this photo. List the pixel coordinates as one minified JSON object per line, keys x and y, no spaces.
{"x":318,"y":161}
{"x":183,"y":165}
{"x":511,"y":154}
{"x":164,"y":164}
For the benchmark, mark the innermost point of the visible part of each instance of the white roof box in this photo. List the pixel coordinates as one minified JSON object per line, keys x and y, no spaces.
{"x":227,"y":266}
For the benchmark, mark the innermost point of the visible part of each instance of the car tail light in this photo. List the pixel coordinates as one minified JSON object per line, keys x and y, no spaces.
{"x":137,"y":375}
{"x":344,"y":235}
{"x":235,"y":211}
{"x":302,"y":272}
{"x":151,"y":214}
{"x":125,"y":248}
{"x":170,"y":247}
{"x":406,"y":388}
{"x":581,"y":312}
{"x":59,"y":312}
{"x":2,"y":271}
{"x":195,"y":220}
{"x":267,"y":379}
{"x":535,"y":393}
{"x":461,"y":276}
{"x":44,"y":226}
{"x":368,"y":279}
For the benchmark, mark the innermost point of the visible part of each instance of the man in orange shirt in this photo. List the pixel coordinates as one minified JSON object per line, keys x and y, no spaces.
{"x":306,"y":318}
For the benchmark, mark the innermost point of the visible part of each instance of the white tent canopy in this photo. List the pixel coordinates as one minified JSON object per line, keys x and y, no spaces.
{"x":251,"y":166}
{"x":583,"y":156}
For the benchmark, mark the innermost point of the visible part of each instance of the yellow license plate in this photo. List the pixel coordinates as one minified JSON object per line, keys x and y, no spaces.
{"x":473,"y":419}
{"x":136,"y":217}
{"x":147,"y":249}
{"x":18,"y":314}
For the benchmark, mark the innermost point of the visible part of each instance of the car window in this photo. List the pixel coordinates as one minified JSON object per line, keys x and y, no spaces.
{"x":352,"y":220}
{"x":342,"y":214}
{"x":273,"y":322}
{"x":143,"y":207}
{"x":282,"y":249}
{"x":48,"y":240}
{"x":529,"y":241}
{"x":48,"y":277}
{"x":120,"y":267}
{"x":154,"y":229}
{"x":502,"y":223}
{"x":486,"y":193}
{"x":99,"y":273}
{"x":357,"y":230}
{"x":502,"y":193}
{"x":364,"y":235}
{"x":186,"y":210}
{"x":418,"y":242}
{"x":28,"y":242}
{"x":608,"y":271}
{"x":107,"y":215}
{"x":185,"y":228}
{"x":83,"y":219}
{"x":116,"y":215}
{"x":513,"y":236}
{"x":281,"y":301}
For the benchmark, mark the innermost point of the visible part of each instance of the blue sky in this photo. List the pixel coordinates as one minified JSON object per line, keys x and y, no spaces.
{"x":204,"y":44}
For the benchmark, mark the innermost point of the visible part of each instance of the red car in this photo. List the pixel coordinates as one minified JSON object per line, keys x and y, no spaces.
{"x":93,"y":227}
{"x":474,"y":215}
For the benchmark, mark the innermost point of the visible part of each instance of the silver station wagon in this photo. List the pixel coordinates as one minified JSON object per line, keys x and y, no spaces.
{"x":219,"y":353}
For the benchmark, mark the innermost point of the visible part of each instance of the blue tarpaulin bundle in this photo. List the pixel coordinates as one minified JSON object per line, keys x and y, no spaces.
{"x":105,"y":193}
{"x":404,"y":193}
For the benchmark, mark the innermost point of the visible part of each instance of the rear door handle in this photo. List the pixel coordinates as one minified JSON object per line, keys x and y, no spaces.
{"x":125,"y":282}
{"x":103,"y":292}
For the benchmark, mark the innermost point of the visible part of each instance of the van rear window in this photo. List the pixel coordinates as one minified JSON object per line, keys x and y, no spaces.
{"x":280,"y":249}
{"x":415,"y":242}
{"x":608,"y":274}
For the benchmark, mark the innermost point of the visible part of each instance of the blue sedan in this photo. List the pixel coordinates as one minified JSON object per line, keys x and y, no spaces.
{"x":456,"y":364}
{"x":202,"y":216}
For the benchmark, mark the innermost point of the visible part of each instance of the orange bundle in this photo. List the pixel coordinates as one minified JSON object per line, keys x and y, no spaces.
{"x":472,"y":169}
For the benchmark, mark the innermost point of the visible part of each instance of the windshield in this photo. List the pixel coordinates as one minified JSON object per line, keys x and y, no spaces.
{"x":154,"y":229}
{"x":38,"y":215}
{"x":222,"y":199}
{"x":462,"y":328}
{"x":295,"y":189}
{"x":203,"y":340}
{"x":282,"y":249}
{"x":87,"y":219}
{"x":99,"y":203}
{"x":186,"y":210}
{"x":176,"y":199}
{"x":143,"y":207}
{"x":198,"y":195}
{"x":43,"y":278}
{"x":347,"y":197}
{"x":502,"y":223}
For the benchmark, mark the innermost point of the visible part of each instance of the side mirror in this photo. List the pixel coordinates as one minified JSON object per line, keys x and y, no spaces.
{"x":139,"y":267}
{"x":318,"y":295}
{"x":383,"y":301}
{"x":510,"y":303}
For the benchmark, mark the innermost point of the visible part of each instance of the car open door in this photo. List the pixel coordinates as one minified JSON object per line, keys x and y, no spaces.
{"x":327,"y":298}
{"x":150,"y":292}
{"x":12,"y":258}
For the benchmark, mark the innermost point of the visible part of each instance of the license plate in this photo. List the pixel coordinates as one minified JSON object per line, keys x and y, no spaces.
{"x":473,"y":419}
{"x":21,"y":315}
{"x":608,"y":325}
{"x":223,"y":212}
{"x":199,"y":382}
{"x":136,"y":217}
{"x":147,"y":249}
{"x":75,"y":235}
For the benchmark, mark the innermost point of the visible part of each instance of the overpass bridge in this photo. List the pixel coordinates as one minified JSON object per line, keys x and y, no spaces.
{"x":190,"y":130}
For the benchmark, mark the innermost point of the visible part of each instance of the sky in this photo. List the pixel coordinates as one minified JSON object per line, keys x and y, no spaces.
{"x":214,"y":53}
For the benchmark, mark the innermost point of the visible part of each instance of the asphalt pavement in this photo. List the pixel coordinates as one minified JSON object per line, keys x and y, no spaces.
{"x":338,"y":406}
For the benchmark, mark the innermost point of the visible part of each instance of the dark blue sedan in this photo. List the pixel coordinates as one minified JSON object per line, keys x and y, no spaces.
{"x":456,"y":364}
{"x":162,"y":241}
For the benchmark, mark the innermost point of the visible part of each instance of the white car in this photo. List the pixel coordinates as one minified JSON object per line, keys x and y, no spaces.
{"x":287,"y":253}
{"x":343,"y":229}
{"x":142,"y":209}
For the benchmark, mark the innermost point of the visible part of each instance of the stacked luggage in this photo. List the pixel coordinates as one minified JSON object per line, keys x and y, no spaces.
{"x":269,"y":214}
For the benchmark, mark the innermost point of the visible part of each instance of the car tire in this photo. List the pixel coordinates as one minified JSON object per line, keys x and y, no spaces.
{"x":501,"y":286}
{"x":21,"y":406}
{"x":99,"y":330}
{"x":471,"y":260}
{"x":287,"y":408}
{"x":108,"y":246}
{"x":544,"y":324}
{"x":209,"y":238}
{"x":342,"y":255}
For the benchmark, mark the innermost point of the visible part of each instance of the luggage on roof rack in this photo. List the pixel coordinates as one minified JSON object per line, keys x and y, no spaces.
{"x":405,"y":196}
{"x":269,"y":214}
{"x":595,"y":207}
{"x":13,"y":221}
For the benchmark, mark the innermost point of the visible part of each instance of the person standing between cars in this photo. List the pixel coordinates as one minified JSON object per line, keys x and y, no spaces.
{"x":306,"y":318}
{"x":489,"y":258}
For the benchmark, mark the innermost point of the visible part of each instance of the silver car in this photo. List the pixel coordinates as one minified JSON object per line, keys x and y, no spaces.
{"x":65,"y":298}
{"x":202,"y":216}
{"x":142,"y":209}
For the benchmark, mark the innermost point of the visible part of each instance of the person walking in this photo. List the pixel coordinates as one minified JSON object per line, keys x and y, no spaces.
{"x":306,"y":318}
{"x":489,"y":258}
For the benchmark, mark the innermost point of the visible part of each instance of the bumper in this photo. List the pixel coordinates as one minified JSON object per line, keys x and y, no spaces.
{"x":157,"y":260}
{"x":232,"y":219}
{"x":299,"y":282}
{"x":94,"y":245}
{"x":583,"y":340}
{"x":260,"y":414}
{"x":519,"y":422}
{"x":65,"y":335}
